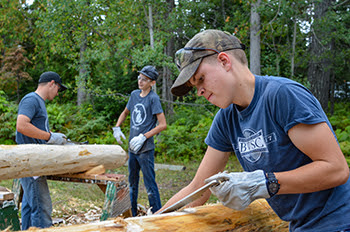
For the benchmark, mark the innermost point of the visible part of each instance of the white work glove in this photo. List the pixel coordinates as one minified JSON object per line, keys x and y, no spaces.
{"x":137,"y":142}
{"x":117,"y":133}
{"x":57,"y":138}
{"x":240,"y":189}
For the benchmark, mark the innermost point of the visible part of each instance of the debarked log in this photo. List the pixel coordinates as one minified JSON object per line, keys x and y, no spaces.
{"x":17,"y":161}
{"x":258,"y":217}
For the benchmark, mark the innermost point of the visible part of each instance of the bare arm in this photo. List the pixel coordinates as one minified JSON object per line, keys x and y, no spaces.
{"x":25,"y":127}
{"x":160,"y":127}
{"x":122,"y":117}
{"x":328,"y":169}
{"x":214,"y":161}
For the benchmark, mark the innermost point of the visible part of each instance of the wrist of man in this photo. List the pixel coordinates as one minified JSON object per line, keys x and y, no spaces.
{"x":49,"y":137}
{"x":272,"y":184}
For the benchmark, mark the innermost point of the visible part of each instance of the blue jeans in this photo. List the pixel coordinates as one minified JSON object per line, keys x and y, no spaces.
{"x":145,"y":163}
{"x":36,"y":203}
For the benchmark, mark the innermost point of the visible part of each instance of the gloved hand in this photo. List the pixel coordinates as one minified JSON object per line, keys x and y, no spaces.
{"x":241,"y":188}
{"x":117,"y":133}
{"x":57,"y":138}
{"x":137,"y":142}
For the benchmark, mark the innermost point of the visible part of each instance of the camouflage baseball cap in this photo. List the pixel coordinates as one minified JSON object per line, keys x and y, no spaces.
{"x":203,"y":44}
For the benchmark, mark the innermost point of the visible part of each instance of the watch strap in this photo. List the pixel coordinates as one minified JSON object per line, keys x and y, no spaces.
{"x":272,"y":183}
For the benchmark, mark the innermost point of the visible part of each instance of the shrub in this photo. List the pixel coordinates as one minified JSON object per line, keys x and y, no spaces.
{"x":184,"y":137}
{"x":8,"y":118}
{"x":341,"y":125}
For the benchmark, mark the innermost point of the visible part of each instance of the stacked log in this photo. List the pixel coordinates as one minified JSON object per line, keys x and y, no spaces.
{"x":17,"y":161}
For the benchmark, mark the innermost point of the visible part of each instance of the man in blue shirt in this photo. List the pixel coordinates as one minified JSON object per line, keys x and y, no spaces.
{"x":278,"y":131}
{"x":33,"y":128}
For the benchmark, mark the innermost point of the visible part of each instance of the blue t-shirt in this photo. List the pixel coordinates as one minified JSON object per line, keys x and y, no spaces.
{"x":143,"y":116}
{"x":33,"y":106}
{"x":258,"y":136}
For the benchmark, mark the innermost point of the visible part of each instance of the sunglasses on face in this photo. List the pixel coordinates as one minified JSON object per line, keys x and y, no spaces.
{"x":143,"y":79}
{"x":59,"y":87}
{"x":185,"y":56}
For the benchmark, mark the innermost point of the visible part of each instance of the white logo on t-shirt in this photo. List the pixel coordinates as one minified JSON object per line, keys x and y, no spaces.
{"x":254,"y":144}
{"x":138,"y":114}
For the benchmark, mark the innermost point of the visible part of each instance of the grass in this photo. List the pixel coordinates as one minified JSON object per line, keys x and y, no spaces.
{"x":77,"y":198}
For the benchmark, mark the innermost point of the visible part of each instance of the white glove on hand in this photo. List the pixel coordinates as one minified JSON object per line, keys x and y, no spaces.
{"x":57,"y":138}
{"x":117,"y":133}
{"x":137,"y":142}
{"x":241,"y":188}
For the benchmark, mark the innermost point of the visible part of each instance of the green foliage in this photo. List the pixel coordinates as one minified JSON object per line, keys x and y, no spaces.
{"x":80,"y":124}
{"x":341,"y":126}
{"x":8,"y":117}
{"x":110,"y":41}
{"x":184,"y":137}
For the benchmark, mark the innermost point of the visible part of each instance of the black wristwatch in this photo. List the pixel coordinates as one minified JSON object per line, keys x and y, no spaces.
{"x":272,"y":184}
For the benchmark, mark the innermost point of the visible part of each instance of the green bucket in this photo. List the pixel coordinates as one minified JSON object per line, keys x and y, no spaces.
{"x":9,"y":216}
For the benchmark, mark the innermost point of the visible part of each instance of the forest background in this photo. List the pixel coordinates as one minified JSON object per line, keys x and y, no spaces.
{"x":98,"y":46}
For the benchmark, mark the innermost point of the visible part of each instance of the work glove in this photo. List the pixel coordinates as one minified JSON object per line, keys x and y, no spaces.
{"x":57,"y":138}
{"x":117,"y":133}
{"x":240,"y":189}
{"x":137,"y":142}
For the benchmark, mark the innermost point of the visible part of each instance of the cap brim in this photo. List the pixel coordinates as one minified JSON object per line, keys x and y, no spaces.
{"x":179,"y":87}
{"x":63,"y":88}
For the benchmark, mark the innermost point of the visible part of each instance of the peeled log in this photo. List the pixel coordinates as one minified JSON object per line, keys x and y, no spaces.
{"x":17,"y":161}
{"x":258,"y":217}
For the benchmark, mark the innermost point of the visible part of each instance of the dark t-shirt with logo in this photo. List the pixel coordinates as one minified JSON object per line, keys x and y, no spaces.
{"x":258,"y":136}
{"x":143,"y":116}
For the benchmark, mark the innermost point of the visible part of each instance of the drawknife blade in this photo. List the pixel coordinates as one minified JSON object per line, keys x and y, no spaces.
{"x":191,"y":197}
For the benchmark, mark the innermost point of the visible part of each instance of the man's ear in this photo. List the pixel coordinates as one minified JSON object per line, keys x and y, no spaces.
{"x":52,"y":83}
{"x":225,"y":60}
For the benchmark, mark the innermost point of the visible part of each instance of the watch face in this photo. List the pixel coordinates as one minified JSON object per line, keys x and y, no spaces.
{"x":273,"y":187}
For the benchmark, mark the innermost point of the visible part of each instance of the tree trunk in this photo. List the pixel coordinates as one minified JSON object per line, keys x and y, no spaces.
{"x":255,"y":38}
{"x":18,"y":88}
{"x":81,"y":98}
{"x":17,"y":161}
{"x":151,"y":34}
{"x":169,"y":50}
{"x":293,"y":47}
{"x":319,"y":70}
{"x":257,"y":217}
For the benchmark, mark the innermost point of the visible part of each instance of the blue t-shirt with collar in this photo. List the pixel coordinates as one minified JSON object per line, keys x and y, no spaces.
{"x":258,"y":136}
{"x":33,"y":106}
{"x":143,"y":116}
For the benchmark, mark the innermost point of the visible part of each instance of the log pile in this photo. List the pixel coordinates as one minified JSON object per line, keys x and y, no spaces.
{"x":17,"y":161}
{"x":257,"y":217}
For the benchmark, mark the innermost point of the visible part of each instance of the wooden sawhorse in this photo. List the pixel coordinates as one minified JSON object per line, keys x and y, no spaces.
{"x":114,"y":186}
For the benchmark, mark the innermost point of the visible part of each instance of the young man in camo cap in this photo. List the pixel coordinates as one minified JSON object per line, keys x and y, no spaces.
{"x":275,"y":127}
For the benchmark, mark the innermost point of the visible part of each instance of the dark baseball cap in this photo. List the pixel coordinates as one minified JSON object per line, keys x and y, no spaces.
{"x":150,"y":72}
{"x":49,"y":76}
{"x":203,"y":44}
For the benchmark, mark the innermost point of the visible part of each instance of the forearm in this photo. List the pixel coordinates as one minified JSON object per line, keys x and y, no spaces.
{"x":313,"y":177}
{"x":214,"y":161}
{"x":160,"y":127}
{"x":183,"y":193}
{"x":155,"y":131}
{"x":122,"y":117}
{"x":30,"y":130}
